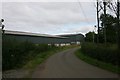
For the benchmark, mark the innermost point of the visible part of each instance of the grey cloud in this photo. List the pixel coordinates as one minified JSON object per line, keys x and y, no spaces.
{"x":83,"y":29}
{"x":43,"y":17}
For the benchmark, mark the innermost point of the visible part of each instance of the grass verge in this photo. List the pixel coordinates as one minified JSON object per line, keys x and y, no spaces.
{"x":32,"y":64}
{"x":95,"y":62}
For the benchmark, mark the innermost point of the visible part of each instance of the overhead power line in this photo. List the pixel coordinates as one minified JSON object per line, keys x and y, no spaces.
{"x":83,"y":12}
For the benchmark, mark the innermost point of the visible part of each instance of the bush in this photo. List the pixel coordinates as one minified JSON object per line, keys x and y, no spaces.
{"x":106,"y":53}
{"x":17,"y":53}
{"x":14,"y":53}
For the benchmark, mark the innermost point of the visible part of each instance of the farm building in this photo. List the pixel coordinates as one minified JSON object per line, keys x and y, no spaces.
{"x":74,"y":38}
{"x":43,"y":38}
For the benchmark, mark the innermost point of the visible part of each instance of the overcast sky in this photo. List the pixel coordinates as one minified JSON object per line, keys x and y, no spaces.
{"x":49,"y":17}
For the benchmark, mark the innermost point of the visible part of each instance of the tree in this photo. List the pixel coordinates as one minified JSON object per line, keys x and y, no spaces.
{"x":108,"y":22}
{"x":91,"y":37}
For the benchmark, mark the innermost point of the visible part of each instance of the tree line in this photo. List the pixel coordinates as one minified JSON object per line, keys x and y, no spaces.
{"x":111,"y":30}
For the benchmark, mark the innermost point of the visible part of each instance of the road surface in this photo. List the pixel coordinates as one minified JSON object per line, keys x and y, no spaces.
{"x":66,"y":65}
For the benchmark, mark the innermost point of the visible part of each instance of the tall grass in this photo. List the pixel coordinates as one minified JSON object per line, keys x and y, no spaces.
{"x":15,"y":53}
{"x":106,"y":53}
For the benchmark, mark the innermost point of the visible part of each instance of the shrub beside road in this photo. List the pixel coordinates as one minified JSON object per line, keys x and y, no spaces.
{"x":106,"y":57}
{"x":25,"y":54}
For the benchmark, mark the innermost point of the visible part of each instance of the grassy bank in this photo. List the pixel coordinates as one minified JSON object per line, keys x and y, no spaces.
{"x":107,"y":53}
{"x":26,"y":56}
{"x":98,"y":63}
{"x":16,"y":53}
{"x":38,"y":59}
{"x":43,"y":56}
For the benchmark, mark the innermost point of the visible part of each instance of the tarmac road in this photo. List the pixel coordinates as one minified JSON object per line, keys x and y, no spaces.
{"x":66,"y":65}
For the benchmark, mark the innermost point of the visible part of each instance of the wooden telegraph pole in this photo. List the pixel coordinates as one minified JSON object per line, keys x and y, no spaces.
{"x":118,"y":23}
{"x":98,"y":22}
{"x":105,"y":37}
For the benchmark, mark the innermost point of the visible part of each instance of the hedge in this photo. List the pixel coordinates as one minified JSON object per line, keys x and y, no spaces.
{"x":16,"y":53}
{"x":106,"y":53}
